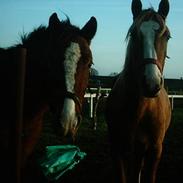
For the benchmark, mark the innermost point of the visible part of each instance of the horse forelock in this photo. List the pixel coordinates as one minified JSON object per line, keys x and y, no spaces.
{"x":134,"y":37}
{"x":148,"y":14}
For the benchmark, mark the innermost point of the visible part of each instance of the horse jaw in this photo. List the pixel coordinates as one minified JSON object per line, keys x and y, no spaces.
{"x":68,"y":119}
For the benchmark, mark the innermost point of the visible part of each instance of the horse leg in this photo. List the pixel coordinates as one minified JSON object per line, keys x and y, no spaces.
{"x":117,"y":156}
{"x":32,"y":134}
{"x":151,"y":163}
{"x":137,"y":162}
{"x":119,"y":171}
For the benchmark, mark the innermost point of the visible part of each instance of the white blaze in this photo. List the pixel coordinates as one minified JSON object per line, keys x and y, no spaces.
{"x":148,"y":29}
{"x":68,"y":115}
{"x":152,"y":72}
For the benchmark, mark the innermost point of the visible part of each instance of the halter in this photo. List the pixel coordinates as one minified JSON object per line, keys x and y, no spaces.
{"x":75,"y":98}
{"x":152,"y":61}
{"x":77,"y":101}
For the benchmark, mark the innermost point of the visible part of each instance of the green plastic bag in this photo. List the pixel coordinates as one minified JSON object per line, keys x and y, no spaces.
{"x":59,"y":159}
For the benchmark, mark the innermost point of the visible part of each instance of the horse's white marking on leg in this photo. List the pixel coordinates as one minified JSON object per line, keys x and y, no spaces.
{"x":68,"y":115}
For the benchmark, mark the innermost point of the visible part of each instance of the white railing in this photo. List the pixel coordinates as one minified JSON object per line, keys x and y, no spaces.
{"x":172,"y":97}
{"x":91,"y":97}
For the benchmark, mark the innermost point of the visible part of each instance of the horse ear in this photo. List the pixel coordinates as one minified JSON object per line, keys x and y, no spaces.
{"x":136,"y":8}
{"x":89,"y":30}
{"x":164,"y":8}
{"x":53,"y":20}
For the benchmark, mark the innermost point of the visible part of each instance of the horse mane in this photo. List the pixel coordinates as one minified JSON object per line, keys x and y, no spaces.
{"x":37,"y":35}
{"x":39,"y":40}
{"x":40,"y":35}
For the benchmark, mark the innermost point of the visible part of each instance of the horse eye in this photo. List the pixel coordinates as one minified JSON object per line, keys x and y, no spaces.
{"x":167,"y":57}
{"x":89,"y":65}
{"x":168,"y":37}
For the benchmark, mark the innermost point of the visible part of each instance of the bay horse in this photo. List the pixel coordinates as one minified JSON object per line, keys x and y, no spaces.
{"x":58,"y":62}
{"x":138,"y":111}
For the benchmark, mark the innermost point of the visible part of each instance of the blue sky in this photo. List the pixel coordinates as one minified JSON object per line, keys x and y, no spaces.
{"x":114,"y":19}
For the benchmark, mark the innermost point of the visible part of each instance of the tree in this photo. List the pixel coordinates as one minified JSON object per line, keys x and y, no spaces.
{"x":113,"y":74}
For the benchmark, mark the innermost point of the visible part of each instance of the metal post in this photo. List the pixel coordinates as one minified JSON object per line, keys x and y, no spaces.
{"x":172,"y":102}
{"x":91,"y":106}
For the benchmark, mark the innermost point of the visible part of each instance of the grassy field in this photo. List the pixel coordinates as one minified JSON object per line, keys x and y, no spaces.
{"x":96,"y":166}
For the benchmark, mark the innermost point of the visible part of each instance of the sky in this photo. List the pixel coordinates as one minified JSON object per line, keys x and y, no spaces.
{"x":114,"y":18}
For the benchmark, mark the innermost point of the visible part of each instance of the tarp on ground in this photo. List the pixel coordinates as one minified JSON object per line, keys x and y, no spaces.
{"x":59,"y":159}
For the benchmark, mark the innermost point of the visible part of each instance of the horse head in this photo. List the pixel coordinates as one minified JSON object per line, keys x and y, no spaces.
{"x":76,"y":57}
{"x":150,"y":31}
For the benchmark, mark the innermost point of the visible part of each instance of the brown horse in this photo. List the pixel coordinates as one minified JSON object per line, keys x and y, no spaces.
{"x":58,"y":63}
{"x":138,"y":111}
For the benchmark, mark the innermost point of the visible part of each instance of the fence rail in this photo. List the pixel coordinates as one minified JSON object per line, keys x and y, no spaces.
{"x":93,"y":95}
{"x":172,"y":97}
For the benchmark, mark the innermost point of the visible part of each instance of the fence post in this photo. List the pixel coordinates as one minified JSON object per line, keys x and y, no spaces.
{"x":172,"y":102}
{"x":91,"y":105}
{"x":98,"y":94}
{"x":20,"y":79}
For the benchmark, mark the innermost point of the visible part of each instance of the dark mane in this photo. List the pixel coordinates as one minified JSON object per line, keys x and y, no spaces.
{"x":37,"y":35}
{"x":67,"y":27}
{"x":41,"y":35}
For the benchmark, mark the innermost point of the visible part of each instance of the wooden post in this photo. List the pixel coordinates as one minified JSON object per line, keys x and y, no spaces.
{"x":98,"y":94}
{"x":21,"y":65}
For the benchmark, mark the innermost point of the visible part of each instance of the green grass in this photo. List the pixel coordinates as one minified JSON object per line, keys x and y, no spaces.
{"x":96,"y":166}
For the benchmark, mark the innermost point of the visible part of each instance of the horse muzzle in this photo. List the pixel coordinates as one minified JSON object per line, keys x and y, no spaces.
{"x":71,"y":114}
{"x":151,"y":92}
{"x":152,"y":79}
